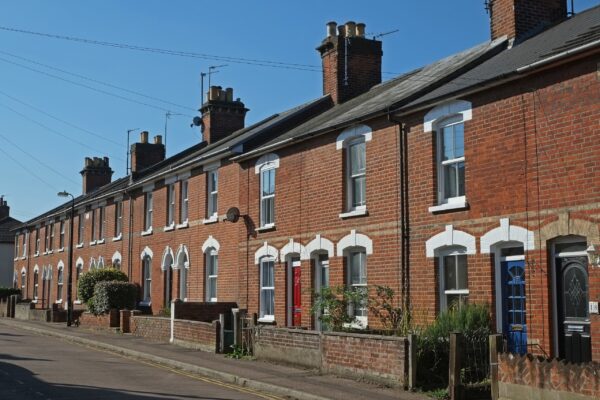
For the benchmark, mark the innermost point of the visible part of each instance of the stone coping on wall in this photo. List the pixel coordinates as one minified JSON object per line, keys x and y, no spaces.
{"x":371,"y":336}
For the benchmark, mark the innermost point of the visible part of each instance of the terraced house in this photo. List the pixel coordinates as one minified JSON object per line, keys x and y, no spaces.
{"x":470,"y":179}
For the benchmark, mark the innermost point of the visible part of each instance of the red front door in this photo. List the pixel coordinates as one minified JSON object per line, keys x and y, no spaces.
{"x":296,"y":294}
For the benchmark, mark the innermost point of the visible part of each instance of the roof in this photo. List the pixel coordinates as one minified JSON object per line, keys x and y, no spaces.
{"x":578,"y":31}
{"x":6,"y":225}
{"x":388,"y":94}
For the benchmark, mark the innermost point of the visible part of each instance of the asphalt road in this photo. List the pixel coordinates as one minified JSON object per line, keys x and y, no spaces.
{"x":44,"y":368}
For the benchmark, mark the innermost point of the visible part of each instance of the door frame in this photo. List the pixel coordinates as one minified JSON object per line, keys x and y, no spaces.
{"x":290,"y":260}
{"x":553,"y":278}
{"x":497,"y":250}
{"x":318,"y":284}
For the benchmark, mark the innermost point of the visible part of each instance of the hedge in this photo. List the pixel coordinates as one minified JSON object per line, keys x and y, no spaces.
{"x":88,"y":280}
{"x":6,"y":292}
{"x":112,"y":294}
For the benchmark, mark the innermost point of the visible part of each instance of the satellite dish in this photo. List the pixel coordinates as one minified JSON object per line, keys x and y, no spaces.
{"x":233,"y":214}
{"x":197,"y":121}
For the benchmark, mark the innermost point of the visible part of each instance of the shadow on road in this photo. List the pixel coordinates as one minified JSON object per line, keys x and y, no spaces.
{"x":17,"y":383}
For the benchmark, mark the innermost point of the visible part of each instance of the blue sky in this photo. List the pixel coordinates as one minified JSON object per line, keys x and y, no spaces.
{"x":48,"y":125}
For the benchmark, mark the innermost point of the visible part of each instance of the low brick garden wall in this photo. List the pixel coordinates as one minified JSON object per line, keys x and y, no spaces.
{"x":528,"y":377}
{"x":374,"y":357}
{"x":199,"y":311}
{"x":153,"y":328}
{"x":197,"y":335}
{"x":22,"y":310}
{"x":104,"y":321}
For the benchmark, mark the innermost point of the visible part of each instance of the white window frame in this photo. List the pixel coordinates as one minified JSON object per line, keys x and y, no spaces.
{"x":451,"y":121}
{"x":61,"y":235}
{"x":118,"y":233}
{"x":267,"y":168}
{"x":361,"y":320}
{"x":184,"y":204}
{"x":59,"y":283}
{"x":170,"y":206}
{"x":80,"y":229}
{"x":36,"y":283}
{"x":351,"y":179}
{"x":182,"y":263}
{"x":264,"y":163}
{"x":78,"y":272}
{"x":93,"y":226}
{"x":212,"y":256}
{"x":263,"y":316}
{"x":17,"y":245}
{"x":37,"y":241}
{"x":443,"y":293}
{"x":25,"y":243}
{"x":212,"y":194}
{"x":23,"y":282}
{"x":101,"y":222}
{"x":147,"y":281}
{"x":148,"y":205}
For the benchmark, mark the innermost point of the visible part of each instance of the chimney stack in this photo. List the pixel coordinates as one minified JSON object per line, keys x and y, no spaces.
{"x":221,"y":115}
{"x":145,"y":154}
{"x":96,"y":173}
{"x":519,"y":19}
{"x":351,"y":62}
{"x":4,"y":208}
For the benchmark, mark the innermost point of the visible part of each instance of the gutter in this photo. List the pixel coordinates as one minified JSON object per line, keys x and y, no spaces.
{"x":558,"y":56}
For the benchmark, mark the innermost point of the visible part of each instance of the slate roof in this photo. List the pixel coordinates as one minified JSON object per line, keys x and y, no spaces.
{"x":6,"y":225}
{"x":579,"y":30}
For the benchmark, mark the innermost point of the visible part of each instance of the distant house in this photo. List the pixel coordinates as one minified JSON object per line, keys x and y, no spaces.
{"x":7,"y":244}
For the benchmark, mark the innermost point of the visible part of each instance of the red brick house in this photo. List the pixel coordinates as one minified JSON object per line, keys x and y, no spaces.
{"x":470,"y":179}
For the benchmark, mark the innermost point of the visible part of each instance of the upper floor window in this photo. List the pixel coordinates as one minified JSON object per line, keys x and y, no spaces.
{"x":24,"y":249}
{"x":80,"y":228}
{"x":61,"y":235}
{"x":266,"y":167}
{"x":447,"y":121}
{"x":93,"y":230}
{"x":171,"y":204}
{"x":353,"y":141}
{"x":148,"y":212}
{"x":183,"y":208}
{"x":17,"y":244}
{"x":118,"y":218}
{"x":37,"y":240}
{"x":101,"y":223}
{"x":47,"y":238}
{"x":212,"y":193}
{"x":51,"y":237}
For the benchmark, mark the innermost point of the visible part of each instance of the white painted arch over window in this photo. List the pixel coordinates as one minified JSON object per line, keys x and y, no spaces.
{"x":182,"y":259}
{"x":79,"y":262}
{"x":450,"y":238}
{"x":507,"y":233}
{"x":168,"y":260}
{"x":293,"y":248}
{"x":147,"y":252}
{"x":60,"y":264}
{"x":456,"y":107}
{"x":211,"y":243}
{"x":116,"y":257}
{"x":319,"y":244}
{"x":352,"y":132}
{"x":23,"y":270}
{"x":270,"y":159}
{"x":354,"y":239}
{"x":266,"y":251}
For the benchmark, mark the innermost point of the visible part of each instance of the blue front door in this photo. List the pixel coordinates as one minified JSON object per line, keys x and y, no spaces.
{"x":514,"y":317}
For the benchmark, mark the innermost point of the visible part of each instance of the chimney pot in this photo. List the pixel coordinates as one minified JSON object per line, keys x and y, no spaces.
{"x":229,"y":93}
{"x":341,"y":30}
{"x":331,"y":32}
{"x":158,"y":139}
{"x":360,"y":30}
{"x":144,"y":137}
{"x":87,"y":162}
{"x":350,"y":28}
{"x":213,"y":93}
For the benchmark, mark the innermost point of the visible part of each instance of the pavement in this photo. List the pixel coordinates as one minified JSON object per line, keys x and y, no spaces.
{"x":281,"y":380}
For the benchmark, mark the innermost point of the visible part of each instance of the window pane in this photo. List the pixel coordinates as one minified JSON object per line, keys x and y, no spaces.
{"x":359,"y":191}
{"x":461,"y":178}
{"x":459,"y":147}
{"x":461,"y":270}
{"x":267,"y":301}
{"x":212,"y":288}
{"x":357,"y":158}
{"x":267,"y":274}
{"x":268,"y":211}
{"x":450,"y":185}
{"x":456,"y":300}
{"x":358,"y":272}
{"x":447,"y":151}
{"x":450,"y":273}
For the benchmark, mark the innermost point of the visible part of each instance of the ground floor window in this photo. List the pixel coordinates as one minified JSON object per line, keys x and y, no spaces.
{"x":212,"y":272}
{"x":36,"y":278}
{"x":357,"y":273}
{"x":454,"y":289}
{"x":59,"y":285}
{"x":267,"y":289}
{"x":147,"y":276}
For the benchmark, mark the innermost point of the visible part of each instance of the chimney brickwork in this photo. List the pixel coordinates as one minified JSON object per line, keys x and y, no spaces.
{"x":221,"y":115}
{"x":351,"y":62}
{"x":519,"y":19}
{"x":96,"y":173}
{"x":144,"y":154}
{"x":4,"y":208}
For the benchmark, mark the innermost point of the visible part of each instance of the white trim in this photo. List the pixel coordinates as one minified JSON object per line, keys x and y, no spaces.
{"x":461,"y":204}
{"x":320,"y":243}
{"x":116,"y":239}
{"x":455,"y":107}
{"x":79,"y":261}
{"x":266,"y":251}
{"x":146,"y":252}
{"x":269,"y":158}
{"x":211,"y":166}
{"x":182,"y":225}
{"x":182,"y":250}
{"x":211,"y":242}
{"x":267,"y":227}
{"x":498,"y":260}
{"x":116,"y":256}
{"x":507,"y":233}
{"x":148,"y":188}
{"x":293,"y":248}
{"x":354,"y":239}
{"x":211,"y":220}
{"x":357,"y":212}
{"x":36,"y":268}
{"x":169,"y":228}
{"x":60,"y":264}
{"x":147,"y":232}
{"x":24,"y":270}
{"x":450,"y":237}
{"x":352,"y":132}
{"x":167,"y":252}
{"x":170,"y":179}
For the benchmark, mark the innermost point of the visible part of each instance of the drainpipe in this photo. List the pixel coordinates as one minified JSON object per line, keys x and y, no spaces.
{"x":130,"y":237}
{"x":404,"y":213}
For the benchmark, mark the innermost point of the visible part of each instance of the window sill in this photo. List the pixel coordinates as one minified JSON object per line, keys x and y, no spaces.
{"x":34,"y":301}
{"x":77,"y":302}
{"x":211,"y":220}
{"x":361,"y":323}
{"x":93,"y":243}
{"x":265,"y":228}
{"x":267,"y":320}
{"x":36,"y":254}
{"x":79,"y":246}
{"x":60,"y":250}
{"x":459,"y":205}
{"x":101,"y":241}
{"x":354,"y":213}
{"x":23,"y":257}
{"x":58,"y":301}
{"x":169,"y":228}
{"x":183,"y":225}
{"x":117,"y":238}
{"x":145,"y":303}
{"x":147,"y":232}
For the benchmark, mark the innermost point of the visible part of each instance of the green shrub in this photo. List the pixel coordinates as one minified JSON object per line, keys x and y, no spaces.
{"x":333,"y":303}
{"x":112,"y":294}
{"x":88,"y":280}
{"x":433,"y":343}
{"x":6,"y":292}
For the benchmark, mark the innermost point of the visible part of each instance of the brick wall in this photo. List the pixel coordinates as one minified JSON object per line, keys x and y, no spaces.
{"x":196,"y":334}
{"x":4,"y":311}
{"x":528,"y":378}
{"x":378,"y":358}
{"x":292,"y":346}
{"x":22,"y":310}
{"x":206,"y":312}
{"x":154,"y":328}
{"x":103,"y":321}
